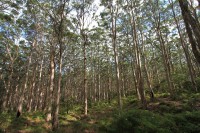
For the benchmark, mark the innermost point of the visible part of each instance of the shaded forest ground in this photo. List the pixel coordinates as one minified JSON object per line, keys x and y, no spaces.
{"x":164,"y":115}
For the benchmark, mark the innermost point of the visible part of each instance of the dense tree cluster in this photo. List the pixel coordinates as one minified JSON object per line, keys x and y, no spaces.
{"x":54,"y":51}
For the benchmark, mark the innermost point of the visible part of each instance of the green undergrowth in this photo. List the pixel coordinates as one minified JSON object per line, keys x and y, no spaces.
{"x":144,"y":121}
{"x":163,"y":115}
{"x":28,"y":122}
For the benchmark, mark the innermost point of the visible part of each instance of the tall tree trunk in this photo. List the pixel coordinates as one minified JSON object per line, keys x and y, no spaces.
{"x":51,"y":84}
{"x":185,"y":49}
{"x":132,"y":65}
{"x":39,"y":88}
{"x":32,"y":87}
{"x":7,"y":100}
{"x":115,"y":50}
{"x":165,"y":62}
{"x":99,"y":82}
{"x":56,"y":104}
{"x":85,"y":79}
{"x":9,"y":92}
{"x":138,"y":68}
{"x":146,"y":70}
{"x":58,"y":30}
{"x":21,"y":99}
{"x":95,"y":84}
{"x":192,"y":27}
{"x":165,"y":54}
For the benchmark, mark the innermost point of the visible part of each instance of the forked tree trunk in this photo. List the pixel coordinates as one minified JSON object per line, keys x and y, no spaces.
{"x":138,"y":65}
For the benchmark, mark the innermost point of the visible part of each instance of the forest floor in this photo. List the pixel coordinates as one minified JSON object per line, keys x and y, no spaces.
{"x":164,"y":114}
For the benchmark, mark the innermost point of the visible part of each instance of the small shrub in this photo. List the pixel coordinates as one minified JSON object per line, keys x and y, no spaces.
{"x":164,"y":108}
{"x":187,"y":86}
{"x":198,"y":83}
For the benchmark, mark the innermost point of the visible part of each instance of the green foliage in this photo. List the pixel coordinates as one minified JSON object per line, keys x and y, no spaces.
{"x":162,"y":95}
{"x":105,"y":117}
{"x":178,"y":79}
{"x":80,"y":126}
{"x":138,"y":121}
{"x":5,"y":120}
{"x":5,"y":17}
{"x":68,"y":105}
{"x":198,"y":83}
{"x":187,"y":122}
{"x":147,"y":122}
{"x":28,"y":122}
{"x":187,"y":85}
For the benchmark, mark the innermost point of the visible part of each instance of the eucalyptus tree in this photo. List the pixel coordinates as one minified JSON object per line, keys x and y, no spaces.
{"x":111,"y":12}
{"x":84,"y":9}
{"x":126,"y":50}
{"x":183,"y":44}
{"x":56,"y":13}
{"x":159,"y":20}
{"x":134,"y":10}
{"x":192,"y":26}
{"x":94,"y":63}
{"x":59,"y":31}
